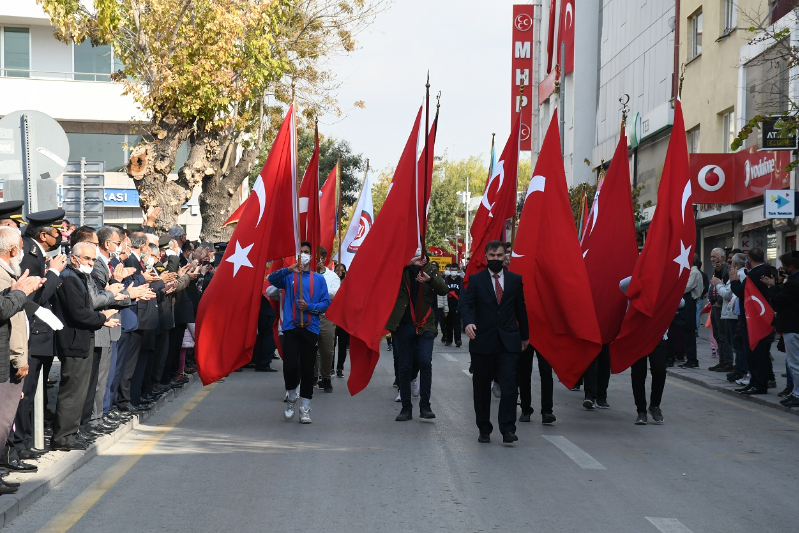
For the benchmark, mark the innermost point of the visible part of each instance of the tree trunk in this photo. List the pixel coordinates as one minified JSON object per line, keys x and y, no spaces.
{"x":220,"y":190}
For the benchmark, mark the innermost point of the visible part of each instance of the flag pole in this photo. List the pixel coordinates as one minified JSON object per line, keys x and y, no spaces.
{"x":338,"y":204}
{"x":297,"y":197}
{"x":423,"y":227}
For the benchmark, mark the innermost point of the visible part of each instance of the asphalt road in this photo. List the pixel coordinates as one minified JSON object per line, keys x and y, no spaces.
{"x":222,"y":458}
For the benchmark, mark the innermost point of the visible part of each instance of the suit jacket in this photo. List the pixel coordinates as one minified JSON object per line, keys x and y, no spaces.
{"x":74,"y":308}
{"x":184,"y":301}
{"x":100,"y":279}
{"x":146,"y":311}
{"x":41,"y":336}
{"x":500,"y":327}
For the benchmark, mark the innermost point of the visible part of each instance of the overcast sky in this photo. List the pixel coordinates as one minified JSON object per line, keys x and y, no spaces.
{"x":466,"y":45}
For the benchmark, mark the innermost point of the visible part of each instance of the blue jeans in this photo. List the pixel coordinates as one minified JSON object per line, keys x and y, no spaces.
{"x":411,"y":348}
{"x":792,"y":360}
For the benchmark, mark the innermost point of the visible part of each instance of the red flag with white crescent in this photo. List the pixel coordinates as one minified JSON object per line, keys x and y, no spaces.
{"x":759,"y":314}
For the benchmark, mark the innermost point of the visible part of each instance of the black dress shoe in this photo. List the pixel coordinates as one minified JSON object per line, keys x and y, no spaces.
{"x":458,"y":344}
{"x":85,"y":437}
{"x":70,"y":445}
{"x":509,"y":437}
{"x":426,"y":412}
{"x":37,"y":450}
{"x":790,"y":401}
{"x":6,"y":489}
{"x":249,"y":365}
{"x":327,"y":385}
{"x":785,"y":392}
{"x":11,"y":484}
{"x":548,"y":418}
{"x":484,"y":438}
{"x":404,"y":415}
{"x":18,"y":466}
{"x":689,"y":364}
{"x":753,"y":391}
{"x":447,"y":344}
{"x":265,"y":369}
{"x":524,"y":417}
{"x":27,"y":455}
{"x":339,"y":373}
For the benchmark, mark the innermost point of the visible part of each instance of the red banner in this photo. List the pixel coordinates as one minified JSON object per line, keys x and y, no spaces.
{"x":522,"y":71}
{"x":733,"y":178}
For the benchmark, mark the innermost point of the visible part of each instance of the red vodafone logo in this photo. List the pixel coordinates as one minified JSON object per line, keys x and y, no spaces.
{"x":523,"y":22}
{"x":525,"y":131}
{"x":711,"y":178}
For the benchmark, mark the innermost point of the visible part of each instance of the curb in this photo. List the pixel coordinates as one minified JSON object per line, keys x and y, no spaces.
{"x":37,"y":485}
{"x":730,"y":392}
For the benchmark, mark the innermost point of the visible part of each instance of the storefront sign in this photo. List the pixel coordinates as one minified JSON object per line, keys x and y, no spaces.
{"x":522,"y":71}
{"x":121,"y":198}
{"x":779,"y":204}
{"x":733,"y":178}
{"x":772,"y":140}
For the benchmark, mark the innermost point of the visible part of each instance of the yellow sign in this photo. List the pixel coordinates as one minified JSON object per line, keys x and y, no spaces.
{"x":443,"y":262}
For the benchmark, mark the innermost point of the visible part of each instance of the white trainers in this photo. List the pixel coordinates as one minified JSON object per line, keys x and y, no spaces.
{"x":399,"y":397}
{"x":305,"y":415}
{"x":743,"y":381}
{"x":415,"y":388}
{"x":288,"y":414}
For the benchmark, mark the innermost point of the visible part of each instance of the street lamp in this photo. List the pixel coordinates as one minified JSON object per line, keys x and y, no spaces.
{"x":465,"y":198}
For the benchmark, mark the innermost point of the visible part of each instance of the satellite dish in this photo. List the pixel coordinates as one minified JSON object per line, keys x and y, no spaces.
{"x":33,"y":152}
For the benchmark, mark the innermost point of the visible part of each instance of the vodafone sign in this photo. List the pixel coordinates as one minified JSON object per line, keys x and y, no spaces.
{"x":733,"y":178}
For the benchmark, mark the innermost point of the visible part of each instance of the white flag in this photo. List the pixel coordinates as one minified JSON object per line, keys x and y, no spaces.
{"x":362,"y":220}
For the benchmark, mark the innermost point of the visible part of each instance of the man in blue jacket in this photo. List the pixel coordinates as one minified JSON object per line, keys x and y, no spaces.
{"x":301,"y":311}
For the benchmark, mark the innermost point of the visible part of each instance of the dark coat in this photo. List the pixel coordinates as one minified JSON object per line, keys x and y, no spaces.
{"x":74,"y":308}
{"x":146,"y":311}
{"x":184,"y":304}
{"x":41,"y":336}
{"x":435,"y":286}
{"x":785,"y":301}
{"x":498,"y":325}
{"x":739,"y":289}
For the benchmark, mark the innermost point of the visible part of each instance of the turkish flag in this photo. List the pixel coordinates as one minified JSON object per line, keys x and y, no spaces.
{"x":610,"y":245}
{"x":234,"y":218}
{"x":552,"y":52}
{"x":328,"y":213}
{"x":662,"y":270}
{"x":309,"y":203}
{"x":566,"y":34}
{"x":498,"y":203}
{"x":759,"y":314}
{"x":424,"y":199}
{"x":546,"y":253}
{"x":227,"y":318}
{"x":365,"y":300}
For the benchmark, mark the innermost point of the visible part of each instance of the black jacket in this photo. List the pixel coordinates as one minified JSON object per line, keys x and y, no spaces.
{"x":785,"y":301}
{"x":146,"y":311}
{"x":500,"y":327}
{"x":74,"y":308}
{"x":739,"y":290}
{"x":184,"y":303}
{"x":41,"y":336}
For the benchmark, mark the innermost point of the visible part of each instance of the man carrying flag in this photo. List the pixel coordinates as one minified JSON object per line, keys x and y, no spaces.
{"x":301,"y":312}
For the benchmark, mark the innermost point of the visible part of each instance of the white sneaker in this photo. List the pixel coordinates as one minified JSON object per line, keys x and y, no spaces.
{"x":288,"y":414}
{"x":399,"y":397}
{"x":497,"y":391}
{"x":415,"y":388}
{"x":743,"y":381}
{"x":305,"y":415}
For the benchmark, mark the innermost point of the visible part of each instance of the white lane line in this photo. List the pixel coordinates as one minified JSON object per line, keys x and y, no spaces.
{"x":574,"y":452}
{"x":669,"y":525}
{"x":466,"y":371}
{"x":448,"y":357}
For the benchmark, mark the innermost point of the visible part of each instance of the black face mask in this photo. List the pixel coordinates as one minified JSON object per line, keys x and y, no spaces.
{"x":495,"y":265}
{"x":341,"y":275}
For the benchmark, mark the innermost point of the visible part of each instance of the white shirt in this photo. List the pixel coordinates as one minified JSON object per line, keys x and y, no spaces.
{"x":501,"y":280}
{"x":44,"y":254}
{"x":333,"y":282}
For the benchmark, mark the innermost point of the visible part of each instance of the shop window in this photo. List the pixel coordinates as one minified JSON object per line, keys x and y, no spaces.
{"x":104,"y":147}
{"x":695,"y":35}
{"x":728,"y":131}
{"x":693,"y":140}
{"x":16,"y":52}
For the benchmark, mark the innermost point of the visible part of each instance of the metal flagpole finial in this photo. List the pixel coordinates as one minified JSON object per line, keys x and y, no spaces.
{"x":438,"y":101}
{"x":427,"y":85}
{"x":625,"y":108}
{"x":557,"y":79}
{"x":521,"y":89}
{"x":682,"y":78}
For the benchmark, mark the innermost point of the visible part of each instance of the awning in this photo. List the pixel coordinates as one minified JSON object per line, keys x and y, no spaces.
{"x":754,"y":218}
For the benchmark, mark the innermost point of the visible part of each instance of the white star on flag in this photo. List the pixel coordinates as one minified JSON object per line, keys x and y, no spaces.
{"x":240,"y":259}
{"x":682,"y":259}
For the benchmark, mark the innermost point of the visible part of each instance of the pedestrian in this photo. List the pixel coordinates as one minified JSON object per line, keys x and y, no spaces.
{"x":693,"y":292}
{"x":657,"y":367}
{"x":785,"y":300}
{"x":495,"y":315}
{"x":729,"y":317}
{"x":327,"y":330}
{"x":413,"y":332}
{"x":524,"y":372}
{"x":723,"y":341}
{"x":342,"y":337}
{"x":453,"y":319}
{"x":301,"y":312}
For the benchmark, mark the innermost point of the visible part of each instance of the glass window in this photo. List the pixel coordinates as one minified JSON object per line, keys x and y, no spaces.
{"x":16,"y":52}
{"x":730,"y":16}
{"x":105,"y":147}
{"x":695,"y":35}
{"x":693,"y":141}
{"x":728,"y":132}
{"x":93,"y":63}
{"x":768,"y":84}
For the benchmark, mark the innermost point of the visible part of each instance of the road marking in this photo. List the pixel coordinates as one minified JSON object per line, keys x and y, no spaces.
{"x":466,"y":371}
{"x":448,"y":357}
{"x":574,"y":452}
{"x":669,"y":525}
{"x":734,"y":403}
{"x":67,"y":518}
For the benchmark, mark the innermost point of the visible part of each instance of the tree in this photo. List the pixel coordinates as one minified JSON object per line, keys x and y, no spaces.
{"x":216,"y":75}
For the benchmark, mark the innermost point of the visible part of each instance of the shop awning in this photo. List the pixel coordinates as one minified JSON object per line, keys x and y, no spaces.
{"x":754,"y":218}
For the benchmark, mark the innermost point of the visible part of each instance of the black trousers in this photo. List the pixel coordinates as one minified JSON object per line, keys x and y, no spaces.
{"x":76,"y":373}
{"x":760,"y":366}
{"x":689,"y":317}
{"x":299,"y":358}
{"x":132,"y":348}
{"x":21,"y":436}
{"x":597,"y":376}
{"x":657,"y":364}
{"x":140,"y":382}
{"x":452,"y":325}
{"x":343,"y":342}
{"x":524,"y":374}
{"x":484,"y":368}
{"x":88,"y":405}
{"x":161,"y":356}
{"x":265,"y":341}
{"x":173,"y":358}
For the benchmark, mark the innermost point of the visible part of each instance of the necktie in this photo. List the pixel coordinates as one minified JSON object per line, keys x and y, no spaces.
{"x":498,"y":288}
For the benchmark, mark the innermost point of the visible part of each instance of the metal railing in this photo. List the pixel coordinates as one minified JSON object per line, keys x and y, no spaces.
{"x":56,"y":75}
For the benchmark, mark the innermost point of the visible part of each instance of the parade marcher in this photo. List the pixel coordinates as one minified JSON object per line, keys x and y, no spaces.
{"x":342,"y":337}
{"x":657,"y":366}
{"x":265,"y":345}
{"x":495,"y":315}
{"x":452,"y":327}
{"x":524,"y":372}
{"x":596,"y":380}
{"x":327,"y":329}
{"x":785,"y":299}
{"x":301,"y":312}
{"x":413,"y":331}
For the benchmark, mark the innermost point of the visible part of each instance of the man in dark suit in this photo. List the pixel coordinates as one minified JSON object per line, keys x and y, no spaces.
{"x":42,"y":239}
{"x":496,"y":323}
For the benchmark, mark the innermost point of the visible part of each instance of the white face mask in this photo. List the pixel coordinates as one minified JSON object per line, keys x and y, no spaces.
{"x":150,"y":262}
{"x":306,"y":258}
{"x":448,"y":272}
{"x":86,"y":269}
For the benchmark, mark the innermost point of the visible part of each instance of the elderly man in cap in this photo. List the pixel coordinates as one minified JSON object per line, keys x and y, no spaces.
{"x":42,"y":240}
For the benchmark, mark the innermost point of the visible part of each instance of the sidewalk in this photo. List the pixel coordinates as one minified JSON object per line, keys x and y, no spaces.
{"x":718,"y":380}
{"x":55,"y":466}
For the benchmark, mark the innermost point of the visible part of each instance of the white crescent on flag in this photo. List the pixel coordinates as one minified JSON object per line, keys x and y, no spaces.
{"x":260,"y":192}
{"x":762,"y":307}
